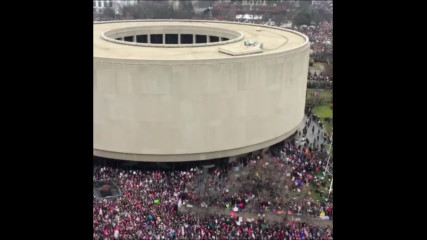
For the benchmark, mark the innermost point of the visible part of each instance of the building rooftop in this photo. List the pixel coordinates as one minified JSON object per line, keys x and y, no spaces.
{"x":273,"y":39}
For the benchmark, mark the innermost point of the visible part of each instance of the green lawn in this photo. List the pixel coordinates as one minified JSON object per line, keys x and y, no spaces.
{"x":324,"y":110}
{"x":327,"y":94}
{"x":327,"y":148}
{"x":324,"y":190}
{"x":318,"y":66}
{"x":316,"y":196}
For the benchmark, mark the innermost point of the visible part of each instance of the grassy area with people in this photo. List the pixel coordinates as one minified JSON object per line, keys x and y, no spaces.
{"x":321,"y":101}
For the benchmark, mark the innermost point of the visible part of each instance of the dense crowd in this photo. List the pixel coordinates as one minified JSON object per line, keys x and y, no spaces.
{"x":320,"y":78}
{"x":270,"y":183}
{"x":320,"y":37}
{"x":323,"y":5}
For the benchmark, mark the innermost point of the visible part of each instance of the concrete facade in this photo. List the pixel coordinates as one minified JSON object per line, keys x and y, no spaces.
{"x":195,"y":103}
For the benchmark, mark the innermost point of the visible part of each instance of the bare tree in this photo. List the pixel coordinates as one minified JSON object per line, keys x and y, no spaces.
{"x":185,"y":11}
{"x":109,"y":13}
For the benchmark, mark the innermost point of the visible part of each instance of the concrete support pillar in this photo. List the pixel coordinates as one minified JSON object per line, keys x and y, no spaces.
{"x":179,"y":38}
{"x":148,"y":38}
{"x":164,"y":38}
{"x":207,"y":39}
{"x":194,"y":38}
{"x":134,"y":38}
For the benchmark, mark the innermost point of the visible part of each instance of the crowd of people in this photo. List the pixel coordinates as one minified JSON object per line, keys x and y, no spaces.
{"x":320,"y":37}
{"x":274,"y":182}
{"x":319,"y":77}
{"x":323,"y":5}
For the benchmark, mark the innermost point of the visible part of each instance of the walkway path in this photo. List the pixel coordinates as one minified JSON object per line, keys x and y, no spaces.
{"x":269,"y":216}
{"x":310,"y":135}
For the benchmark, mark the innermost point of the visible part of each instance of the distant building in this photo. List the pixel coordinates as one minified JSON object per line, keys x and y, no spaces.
{"x":201,"y":6}
{"x":254,"y":2}
{"x":116,"y":5}
{"x":248,"y":17}
{"x":265,"y":2}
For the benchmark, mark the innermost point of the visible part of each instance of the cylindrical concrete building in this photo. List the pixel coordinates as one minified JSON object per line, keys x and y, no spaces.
{"x":184,"y":90}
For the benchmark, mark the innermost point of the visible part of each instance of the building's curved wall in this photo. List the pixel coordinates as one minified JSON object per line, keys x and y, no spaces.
{"x":194,"y":110}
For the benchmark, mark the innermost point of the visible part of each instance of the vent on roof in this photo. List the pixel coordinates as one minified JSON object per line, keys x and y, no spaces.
{"x":249,"y":47}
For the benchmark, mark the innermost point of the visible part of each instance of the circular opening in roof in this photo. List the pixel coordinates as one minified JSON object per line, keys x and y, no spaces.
{"x":172,"y":36}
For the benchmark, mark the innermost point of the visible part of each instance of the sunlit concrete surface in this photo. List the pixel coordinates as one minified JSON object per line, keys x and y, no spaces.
{"x":183,"y":103}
